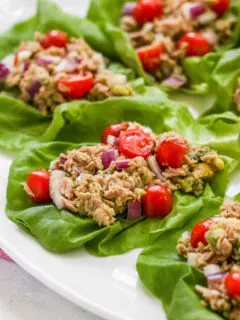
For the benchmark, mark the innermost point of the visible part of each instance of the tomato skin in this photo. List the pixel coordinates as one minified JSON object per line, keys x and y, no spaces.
{"x":113,"y":130}
{"x":221,"y":6}
{"x":55,"y":38}
{"x":232,"y":284}
{"x":170,"y":153}
{"x":38,"y":183}
{"x":199,"y":231}
{"x":136,"y":143}
{"x":75,"y":86}
{"x":157,"y":202}
{"x":150,"y":57}
{"x":147,"y":10}
{"x":197,"y":44}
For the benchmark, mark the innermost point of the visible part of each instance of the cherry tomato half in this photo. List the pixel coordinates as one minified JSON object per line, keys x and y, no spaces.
{"x":199,"y":231}
{"x":150,"y":56}
{"x":147,"y":10}
{"x":232,"y":284}
{"x":170,"y":153}
{"x":135,"y":143}
{"x":220,"y":6}
{"x":75,"y":86}
{"x":55,"y":38}
{"x":157,"y":202}
{"x":38,"y":183}
{"x":113,"y":130}
{"x":196,"y":44}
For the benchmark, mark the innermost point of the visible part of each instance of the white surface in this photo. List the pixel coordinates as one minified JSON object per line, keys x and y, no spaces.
{"x":24,"y":298}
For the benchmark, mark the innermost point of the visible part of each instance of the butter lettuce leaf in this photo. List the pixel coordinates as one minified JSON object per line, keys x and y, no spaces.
{"x":81,"y":122}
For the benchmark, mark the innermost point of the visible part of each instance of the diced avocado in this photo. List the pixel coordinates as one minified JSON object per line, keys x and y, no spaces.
{"x":203,"y":171}
{"x":212,"y":237}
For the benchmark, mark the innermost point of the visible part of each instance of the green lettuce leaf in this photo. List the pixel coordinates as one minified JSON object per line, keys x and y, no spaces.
{"x":20,"y":123}
{"x":202,"y":93}
{"x":169,"y":277}
{"x":61,"y":231}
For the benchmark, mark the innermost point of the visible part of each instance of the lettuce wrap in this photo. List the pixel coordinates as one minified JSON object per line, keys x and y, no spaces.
{"x":61,"y":231}
{"x":202,"y":92}
{"x":169,"y":277}
{"x":19,"y":122}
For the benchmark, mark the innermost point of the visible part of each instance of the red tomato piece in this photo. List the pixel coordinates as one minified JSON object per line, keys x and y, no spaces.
{"x":135,"y":143}
{"x":38,"y":185}
{"x":232,"y":284}
{"x":157,"y":202}
{"x":199,"y":231}
{"x":150,"y":56}
{"x":147,"y":10}
{"x":170,"y":153}
{"x":113,"y":130}
{"x":221,"y":6}
{"x":196,"y":44}
{"x":75,"y":86}
{"x":55,"y":38}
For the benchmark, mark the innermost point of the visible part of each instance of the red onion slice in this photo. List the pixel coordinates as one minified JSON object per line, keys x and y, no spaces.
{"x":122,"y":164}
{"x":128,"y":8}
{"x":216,"y":276}
{"x":44,"y":61}
{"x":4,"y":71}
{"x":153,"y":164}
{"x":26,"y":66}
{"x":34,"y":88}
{"x":197,"y":10}
{"x":174,"y":82}
{"x":107,"y":158}
{"x":116,"y":143}
{"x":134,"y":210}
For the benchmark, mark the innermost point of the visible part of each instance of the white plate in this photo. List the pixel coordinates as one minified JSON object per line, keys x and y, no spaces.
{"x":108,"y":287}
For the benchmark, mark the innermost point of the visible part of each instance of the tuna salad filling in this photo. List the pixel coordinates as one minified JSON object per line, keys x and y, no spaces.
{"x":214,"y":247}
{"x":54,"y":69}
{"x":132,"y":173}
{"x":165,"y":32}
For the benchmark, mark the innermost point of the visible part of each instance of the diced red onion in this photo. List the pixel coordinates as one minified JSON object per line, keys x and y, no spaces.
{"x":77,"y":59}
{"x":116,"y":143}
{"x":107,"y":158}
{"x":66,"y":65}
{"x":211,"y":269}
{"x":174,"y":82}
{"x":4,"y":71}
{"x":122,"y":164}
{"x":152,"y":162}
{"x":34,"y":88}
{"x":197,"y":10}
{"x":23,"y":55}
{"x":128,"y":8}
{"x":62,"y":160}
{"x":4,"y":256}
{"x":44,"y":61}
{"x":26,"y":66}
{"x":216,"y":276}
{"x":56,"y":177}
{"x":77,"y":170}
{"x":134,"y":210}
{"x":111,"y":139}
